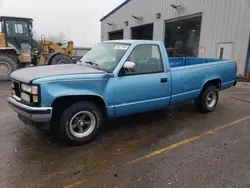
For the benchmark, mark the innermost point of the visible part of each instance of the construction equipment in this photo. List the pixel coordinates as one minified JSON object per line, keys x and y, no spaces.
{"x":52,"y":53}
{"x":18,"y":48}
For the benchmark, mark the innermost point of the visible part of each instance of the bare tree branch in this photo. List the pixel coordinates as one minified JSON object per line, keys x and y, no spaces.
{"x":57,"y":38}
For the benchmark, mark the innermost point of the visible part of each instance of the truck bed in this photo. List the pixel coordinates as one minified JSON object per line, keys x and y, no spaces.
{"x":185,"y":61}
{"x":189,"y":75}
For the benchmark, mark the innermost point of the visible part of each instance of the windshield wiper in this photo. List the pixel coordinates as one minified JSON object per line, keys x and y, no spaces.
{"x":92,"y":63}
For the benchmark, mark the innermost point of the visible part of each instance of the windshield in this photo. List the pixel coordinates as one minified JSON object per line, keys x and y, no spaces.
{"x":104,"y":56}
{"x":17,"y":28}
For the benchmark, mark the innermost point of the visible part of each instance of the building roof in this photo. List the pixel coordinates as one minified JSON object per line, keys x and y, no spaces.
{"x":114,"y":10}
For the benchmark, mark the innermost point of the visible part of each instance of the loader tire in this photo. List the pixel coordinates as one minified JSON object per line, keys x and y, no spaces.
{"x":61,"y":59}
{"x":7,"y":66}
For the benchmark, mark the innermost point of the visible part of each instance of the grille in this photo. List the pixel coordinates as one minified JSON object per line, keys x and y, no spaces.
{"x":17,"y":88}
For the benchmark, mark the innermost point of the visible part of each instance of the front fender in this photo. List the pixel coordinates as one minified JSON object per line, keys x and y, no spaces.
{"x":52,"y":91}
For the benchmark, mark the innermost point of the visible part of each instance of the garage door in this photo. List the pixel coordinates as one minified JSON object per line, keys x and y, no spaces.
{"x":116,"y":35}
{"x":143,"y":32}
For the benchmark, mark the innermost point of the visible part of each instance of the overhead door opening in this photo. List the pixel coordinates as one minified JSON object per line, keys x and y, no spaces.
{"x":182,"y":37}
{"x":116,"y":35}
{"x":144,"y":32}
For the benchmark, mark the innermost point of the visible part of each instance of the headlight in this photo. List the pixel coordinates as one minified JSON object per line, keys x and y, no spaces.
{"x":26,"y":88}
{"x":25,"y":97}
{"x":29,"y":89}
{"x":34,"y":90}
{"x":30,"y":93}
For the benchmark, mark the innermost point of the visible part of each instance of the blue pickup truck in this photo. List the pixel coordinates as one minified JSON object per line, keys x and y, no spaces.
{"x":116,"y":78}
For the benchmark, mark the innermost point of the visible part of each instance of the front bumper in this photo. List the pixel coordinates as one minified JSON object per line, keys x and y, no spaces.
{"x":34,"y":114}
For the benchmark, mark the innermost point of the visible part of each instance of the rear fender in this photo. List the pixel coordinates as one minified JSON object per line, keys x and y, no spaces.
{"x":8,"y":50}
{"x":212,"y":81}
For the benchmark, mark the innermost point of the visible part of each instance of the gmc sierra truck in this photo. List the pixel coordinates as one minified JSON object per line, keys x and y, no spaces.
{"x":114,"y":79}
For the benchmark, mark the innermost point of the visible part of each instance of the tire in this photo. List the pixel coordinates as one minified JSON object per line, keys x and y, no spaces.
{"x":61,"y":59}
{"x":208,"y":99}
{"x":72,"y":120}
{"x":7,"y":66}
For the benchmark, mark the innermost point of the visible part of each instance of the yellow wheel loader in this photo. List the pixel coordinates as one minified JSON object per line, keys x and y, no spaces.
{"x":18,"y":49}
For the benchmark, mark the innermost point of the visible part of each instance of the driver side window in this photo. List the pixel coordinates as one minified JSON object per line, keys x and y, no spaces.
{"x":147,"y":59}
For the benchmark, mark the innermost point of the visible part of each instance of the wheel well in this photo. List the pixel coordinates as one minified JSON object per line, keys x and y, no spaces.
{"x":215,"y":82}
{"x":59,"y":104}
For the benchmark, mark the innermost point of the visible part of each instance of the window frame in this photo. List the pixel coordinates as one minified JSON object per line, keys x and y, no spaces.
{"x":1,"y":26}
{"x":162,"y":65}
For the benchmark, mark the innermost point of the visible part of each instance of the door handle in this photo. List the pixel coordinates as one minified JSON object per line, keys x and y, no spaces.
{"x":164,"y":80}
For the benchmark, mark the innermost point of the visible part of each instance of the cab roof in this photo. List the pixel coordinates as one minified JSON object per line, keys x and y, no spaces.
{"x":17,"y":18}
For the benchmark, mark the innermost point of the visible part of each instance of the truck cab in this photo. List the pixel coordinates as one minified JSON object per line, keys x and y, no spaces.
{"x":16,"y":34}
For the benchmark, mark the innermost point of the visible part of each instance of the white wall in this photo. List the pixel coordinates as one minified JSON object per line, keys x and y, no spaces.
{"x":222,"y":21}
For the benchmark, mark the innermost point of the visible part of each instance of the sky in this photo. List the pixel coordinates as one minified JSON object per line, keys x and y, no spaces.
{"x":79,"y":20}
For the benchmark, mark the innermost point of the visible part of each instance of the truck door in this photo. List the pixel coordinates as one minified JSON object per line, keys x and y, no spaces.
{"x":147,"y":87}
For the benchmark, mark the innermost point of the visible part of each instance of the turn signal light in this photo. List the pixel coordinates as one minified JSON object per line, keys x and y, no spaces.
{"x":35,"y":99}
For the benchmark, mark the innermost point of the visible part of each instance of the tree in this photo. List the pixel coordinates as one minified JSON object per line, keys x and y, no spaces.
{"x":57,"y":38}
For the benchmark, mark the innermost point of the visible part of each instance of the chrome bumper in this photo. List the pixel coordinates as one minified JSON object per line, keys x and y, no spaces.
{"x":35,"y":114}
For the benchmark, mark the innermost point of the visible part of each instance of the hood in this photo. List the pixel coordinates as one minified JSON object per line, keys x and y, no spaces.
{"x":28,"y":74}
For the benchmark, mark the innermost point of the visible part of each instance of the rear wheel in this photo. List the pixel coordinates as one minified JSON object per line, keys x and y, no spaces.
{"x":208,"y":99}
{"x":80,"y":123}
{"x":7,"y":66}
{"x":61,"y":59}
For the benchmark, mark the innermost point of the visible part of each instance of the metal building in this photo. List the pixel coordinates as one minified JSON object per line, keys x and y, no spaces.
{"x":203,"y":28}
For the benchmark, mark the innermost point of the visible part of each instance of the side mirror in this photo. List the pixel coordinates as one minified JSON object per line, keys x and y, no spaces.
{"x":129,"y":65}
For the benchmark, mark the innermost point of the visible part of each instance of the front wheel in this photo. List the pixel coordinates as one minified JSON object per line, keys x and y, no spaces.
{"x":80,"y":123}
{"x":208,"y":99}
